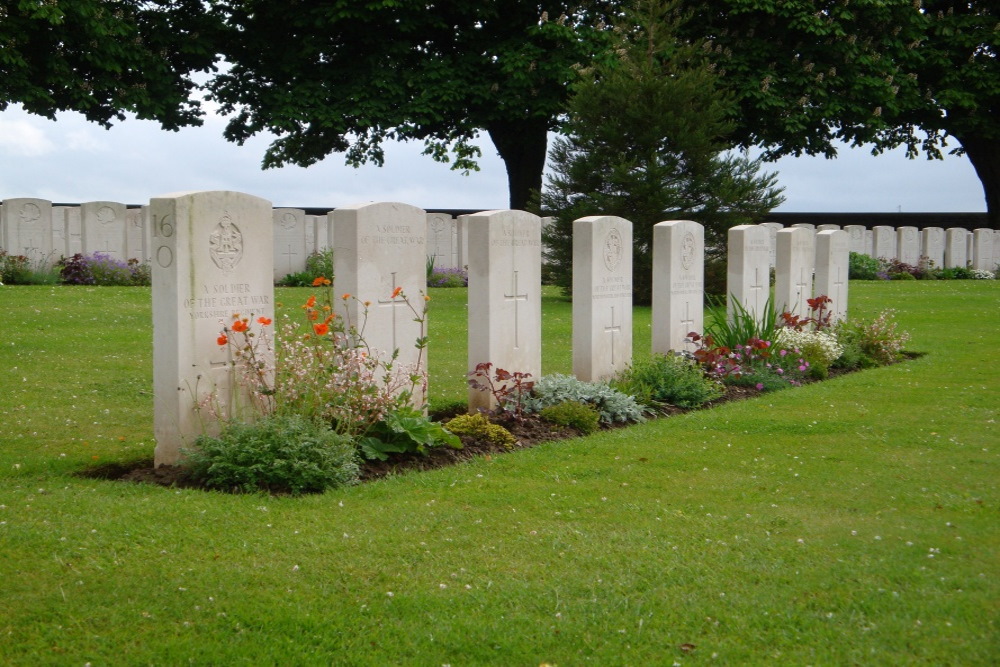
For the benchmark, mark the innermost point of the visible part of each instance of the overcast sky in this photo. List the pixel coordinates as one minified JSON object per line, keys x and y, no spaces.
{"x":70,"y":160}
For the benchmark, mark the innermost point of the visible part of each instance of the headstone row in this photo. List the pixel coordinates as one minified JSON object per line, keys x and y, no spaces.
{"x":953,"y":247}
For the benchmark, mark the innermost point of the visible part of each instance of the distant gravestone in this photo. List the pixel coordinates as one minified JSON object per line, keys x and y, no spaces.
{"x":908,"y":245}
{"x":748,"y":270}
{"x":380,"y":247}
{"x":320,"y":234}
{"x":970,"y":247}
{"x":956,"y":247}
{"x":289,"y":241}
{"x":505,"y":307}
{"x":137,"y":236}
{"x":832,"y":266}
{"x":793,"y":275}
{"x":883,"y":242}
{"x":856,"y":238}
{"x":932,"y":245}
{"x":74,"y":231}
{"x":212,"y":259}
{"x":60,"y":240}
{"x":869,"y":243}
{"x":828,"y":228}
{"x":805,"y":225}
{"x":27,"y":228}
{"x":678,"y":284}
{"x":602,"y":297}
{"x":309,"y":226}
{"x":772,"y":231}
{"x":103,"y":224}
{"x":983,"y":257}
{"x":331,"y":235}
{"x":462,"y":241}
{"x":996,"y":249}
{"x":442,"y":240}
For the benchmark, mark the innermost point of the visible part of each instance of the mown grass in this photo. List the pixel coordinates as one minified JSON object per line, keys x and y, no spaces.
{"x":853,"y":521}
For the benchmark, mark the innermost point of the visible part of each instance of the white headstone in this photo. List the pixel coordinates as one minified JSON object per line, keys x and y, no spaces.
{"x":970,"y":246}
{"x":996,"y":249}
{"x":212,"y":258}
{"x":828,"y":228}
{"x":869,"y":243}
{"x":832,"y":266}
{"x":289,"y":241}
{"x":883,"y":242}
{"x":320,"y":234}
{"x":908,"y":245}
{"x":748,"y":269}
{"x":602,"y":297}
{"x":956,"y":247}
{"x":932,"y":245}
{"x":330,"y":233}
{"x":772,"y":230}
{"x":793,"y":275}
{"x":74,"y":231}
{"x":505,"y":306}
{"x":27,"y":228}
{"x":309,"y":224}
{"x":805,"y":225}
{"x":462,"y":242}
{"x":983,"y":257}
{"x":103,"y":225}
{"x":678,"y":284}
{"x":856,"y":238}
{"x":60,"y":240}
{"x":137,"y":233}
{"x":382,"y":247}
{"x":442,"y":240}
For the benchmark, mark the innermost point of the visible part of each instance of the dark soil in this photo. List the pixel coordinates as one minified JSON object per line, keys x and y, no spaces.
{"x":529,"y":431}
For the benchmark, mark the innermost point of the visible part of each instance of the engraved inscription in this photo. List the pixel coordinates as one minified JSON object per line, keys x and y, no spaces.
{"x":30,"y":213}
{"x":287,"y":220}
{"x":225,"y":244}
{"x":106,"y":215}
{"x":613,"y":249}
{"x":688,"y":247}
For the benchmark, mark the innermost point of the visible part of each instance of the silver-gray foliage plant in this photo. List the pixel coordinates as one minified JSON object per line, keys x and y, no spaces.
{"x":612,"y":405}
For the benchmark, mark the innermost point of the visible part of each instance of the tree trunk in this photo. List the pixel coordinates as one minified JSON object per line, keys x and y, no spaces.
{"x":522,"y":146}
{"x":984,"y":154}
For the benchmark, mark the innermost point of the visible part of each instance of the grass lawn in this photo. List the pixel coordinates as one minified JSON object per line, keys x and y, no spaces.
{"x":853,"y":521}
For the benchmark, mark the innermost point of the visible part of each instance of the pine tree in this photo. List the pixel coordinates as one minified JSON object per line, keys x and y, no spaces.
{"x":646,"y":140}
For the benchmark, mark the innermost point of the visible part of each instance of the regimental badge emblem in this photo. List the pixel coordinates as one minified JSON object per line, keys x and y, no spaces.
{"x":106,"y":215}
{"x":287,"y":220}
{"x":614,"y":248}
{"x":688,"y":245}
{"x":30,"y":213}
{"x":225,"y":244}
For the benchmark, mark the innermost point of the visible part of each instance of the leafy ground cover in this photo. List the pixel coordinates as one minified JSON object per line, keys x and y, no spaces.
{"x":853,"y":520}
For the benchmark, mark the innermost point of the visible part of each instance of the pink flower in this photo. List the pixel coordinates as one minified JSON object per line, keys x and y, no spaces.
{"x":783,"y":352}
{"x":780,"y":371}
{"x":760,"y":386}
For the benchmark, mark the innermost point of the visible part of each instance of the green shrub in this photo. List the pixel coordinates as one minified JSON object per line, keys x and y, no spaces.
{"x":479,"y":427}
{"x":878,"y":342}
{"x":902,"y":275}
{"x":318,"y":264}
{"x":580,"y":416}
{"x":286,"y":453}
{"x":612,"y":406}
{"x":862,"y":267}
{"x":671,"y":380}
{"x":20,"y":270}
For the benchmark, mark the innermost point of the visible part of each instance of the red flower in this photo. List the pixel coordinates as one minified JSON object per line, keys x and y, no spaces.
{"x":312,"y":315}
{"x":320,"y":281}
{"x":311,"y":302}
{"x":264,"y":321}
{"x":321,"y":329}
{"x":239,"y":326}
{"x":396,"y":292}
{"x":222,"y":339}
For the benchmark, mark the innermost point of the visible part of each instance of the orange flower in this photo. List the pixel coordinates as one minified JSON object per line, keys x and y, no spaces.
{"x":396,"y":292}
{"x":311,"y":302}
{"x":239,"y":326}
{"x":321,"y":329}
{"x":264,"y":321}
{"x":236,"y":316}
{"x":345,"y":296}
{"x":320,"y":281}
{"x":367,"y":303}
{"x":222,"y":339}
{"x":426,"y":298}
{"x":312,"y":315}
{"x":329,"y":318}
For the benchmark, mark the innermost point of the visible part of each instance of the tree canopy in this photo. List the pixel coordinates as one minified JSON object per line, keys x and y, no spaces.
{"x":346,"y":75}
{"x":103,"y":58}
{"x":887,"y":73}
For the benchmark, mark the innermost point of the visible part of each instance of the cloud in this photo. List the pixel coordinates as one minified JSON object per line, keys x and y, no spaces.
{"x":21,"y":138}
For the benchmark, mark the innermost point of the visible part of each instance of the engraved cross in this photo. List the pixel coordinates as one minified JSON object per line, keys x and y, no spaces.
{"x":515,"y":297}
{"x":393,"y":303}
{"x":613,"y":329}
